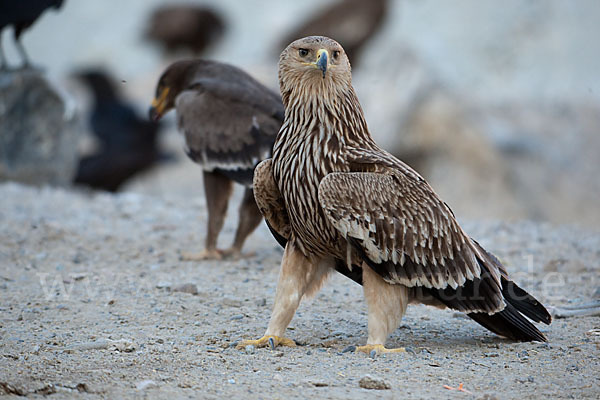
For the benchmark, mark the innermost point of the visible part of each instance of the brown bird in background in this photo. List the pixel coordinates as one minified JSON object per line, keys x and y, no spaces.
{"x":230,"y":121}
{"x":21,"y":14}
{"x":336,"y":200}
{"x":352,"y":22}
{"x":186,"y":27}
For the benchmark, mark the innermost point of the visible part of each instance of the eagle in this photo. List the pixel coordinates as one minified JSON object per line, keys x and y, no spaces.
{"x":185,"y":26}
{"x":337,"y":201}
{"x":230,"y":122}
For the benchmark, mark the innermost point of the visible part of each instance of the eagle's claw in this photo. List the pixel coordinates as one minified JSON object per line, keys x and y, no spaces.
{"x":375,"y":349}
{"x":271,"y":341}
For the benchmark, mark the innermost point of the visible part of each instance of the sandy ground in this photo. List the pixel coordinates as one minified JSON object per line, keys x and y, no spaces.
{"x":90,"y":308}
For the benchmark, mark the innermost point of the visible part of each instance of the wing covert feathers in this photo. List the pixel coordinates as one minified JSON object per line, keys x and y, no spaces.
{"x":270,"y":203}
{"x":410,"y":237}
{"x":227,"y":127}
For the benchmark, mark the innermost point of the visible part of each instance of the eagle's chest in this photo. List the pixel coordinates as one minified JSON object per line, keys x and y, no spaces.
{"x":300,"y":168}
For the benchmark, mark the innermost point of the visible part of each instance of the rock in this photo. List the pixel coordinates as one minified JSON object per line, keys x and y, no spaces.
{"x":123,"y":345}
{"x":249,"y":349}
{"x":186,"y":288}
{"x":146,"y":384}
{"x":315,"y":383}
{"x":370,"y":382}
{"x":38,"y":143}
{"x":263,"y":302}
{"x":227,"y":301}
{"x":163,"y":285}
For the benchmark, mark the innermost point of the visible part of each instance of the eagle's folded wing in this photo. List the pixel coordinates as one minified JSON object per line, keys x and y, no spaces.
{"x":410,"y":237}
{"x":225,"y":132}
{"x":270,"y":203}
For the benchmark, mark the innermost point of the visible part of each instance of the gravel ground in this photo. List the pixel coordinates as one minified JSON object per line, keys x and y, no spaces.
{"x":95,"y":303}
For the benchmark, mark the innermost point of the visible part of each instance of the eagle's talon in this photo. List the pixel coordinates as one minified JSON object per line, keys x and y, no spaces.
{"x":270,"y":341}
{"x":375,"y":349}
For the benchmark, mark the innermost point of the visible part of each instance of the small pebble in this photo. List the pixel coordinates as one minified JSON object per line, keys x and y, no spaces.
{"x":147,"y":384}
{"x":186,"y":288}
{"x":349,"y":349}
{"x":249,"y":349}
{"x":231,"y":302}
{"x":261,"y":302}
{"x":236,"y":317}
{"x":491,"y":354}
{"x":163,"y":285}
{"x":370,"y":382}
{"x":232,"y":381}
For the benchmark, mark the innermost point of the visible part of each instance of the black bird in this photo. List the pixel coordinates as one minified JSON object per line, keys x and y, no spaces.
{"x":128,"y":143}
{"x":21,"y":14}
{"x":186,"y":27}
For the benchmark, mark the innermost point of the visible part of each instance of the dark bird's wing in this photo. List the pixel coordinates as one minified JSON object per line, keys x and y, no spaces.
{"x":185,"y":26}
{"x":229,"y":126}
{"x":409,"y":236}
{"x":351,"y":22}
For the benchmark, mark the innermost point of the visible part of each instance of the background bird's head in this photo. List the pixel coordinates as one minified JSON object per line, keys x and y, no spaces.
{"x":314,"y":66}
{"x":172,"y":82}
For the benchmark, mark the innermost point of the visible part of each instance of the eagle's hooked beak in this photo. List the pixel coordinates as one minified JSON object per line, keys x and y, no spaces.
{"x":158,"y":106}
{"x":322,"y":56}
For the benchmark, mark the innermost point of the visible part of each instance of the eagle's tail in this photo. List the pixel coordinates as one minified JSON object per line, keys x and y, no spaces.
{"x":510,"y":322}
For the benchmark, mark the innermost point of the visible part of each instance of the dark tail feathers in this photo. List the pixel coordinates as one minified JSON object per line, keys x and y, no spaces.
{"x":510,"y":322}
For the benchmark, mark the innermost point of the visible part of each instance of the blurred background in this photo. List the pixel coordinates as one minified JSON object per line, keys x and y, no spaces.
{"x":497,"y":105}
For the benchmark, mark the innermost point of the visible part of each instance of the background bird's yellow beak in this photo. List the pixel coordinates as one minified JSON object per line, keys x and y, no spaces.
{"x":157,"y":108}
{"x":322,"y":58}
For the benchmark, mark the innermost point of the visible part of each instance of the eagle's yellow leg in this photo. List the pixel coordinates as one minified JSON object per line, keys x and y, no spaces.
{"x":378,"y":349}
{"x":298,"y":276}
{"x":267,"y":340}
{"x":387,"y":304}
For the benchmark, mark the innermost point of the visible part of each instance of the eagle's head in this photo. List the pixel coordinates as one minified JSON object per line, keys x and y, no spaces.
{"x":175,"y":79}
{"x":314,"y":66}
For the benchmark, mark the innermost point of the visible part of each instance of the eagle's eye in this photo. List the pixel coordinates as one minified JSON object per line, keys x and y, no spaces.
{"x":336,"y":54}
{"x":303,"y":52}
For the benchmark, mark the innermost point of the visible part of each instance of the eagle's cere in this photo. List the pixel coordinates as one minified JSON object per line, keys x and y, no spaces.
{"x":336,"y":200}
{"x":230,"y":122}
